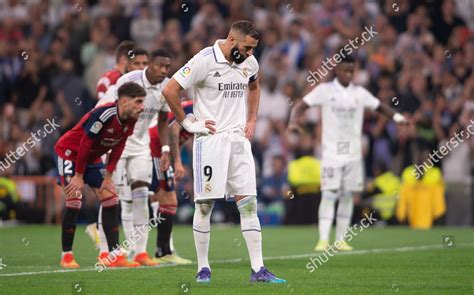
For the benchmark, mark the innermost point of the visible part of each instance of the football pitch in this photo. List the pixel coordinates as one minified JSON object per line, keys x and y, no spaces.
{"x":385,"y":261}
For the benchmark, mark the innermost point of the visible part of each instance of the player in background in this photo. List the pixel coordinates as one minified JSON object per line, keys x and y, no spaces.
{"x":137,"y":59}
{"x":342,"y":107}
{"x":78,"y":157}
{"x":134,"y":169}
{"x":122,"y":54}
{"x":163,"y":184}
{"x":224,"y":78}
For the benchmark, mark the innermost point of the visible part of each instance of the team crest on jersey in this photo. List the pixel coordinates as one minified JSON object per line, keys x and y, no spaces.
{"x":208,"y":188}
{"x":96,"y":127}
{"x":245,"y":71}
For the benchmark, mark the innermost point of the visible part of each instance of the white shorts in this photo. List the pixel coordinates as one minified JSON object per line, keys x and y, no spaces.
{"x":348,"y":177}
{"x":130,"y":170}
{"x":223,"y":164}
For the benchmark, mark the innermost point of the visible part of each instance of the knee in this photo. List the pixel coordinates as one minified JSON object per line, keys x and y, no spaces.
{"x":74,"y":203}
{"x":204,"y":207}
{"x":247,"y":206}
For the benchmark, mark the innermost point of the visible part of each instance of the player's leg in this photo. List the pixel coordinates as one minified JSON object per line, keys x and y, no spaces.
{"x":210,"y":174}
{"x":241,"y":182}
{"x":119,"y":179}
{"x":166,"y":196}
{"x":139,"y":171}
{"x":110,"y":225}
{"x":330,"y":186}
{"x":73,"y":205}
{"x":352,"y":182}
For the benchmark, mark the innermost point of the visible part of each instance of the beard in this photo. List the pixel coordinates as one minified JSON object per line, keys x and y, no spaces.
{"x":237,"y":56}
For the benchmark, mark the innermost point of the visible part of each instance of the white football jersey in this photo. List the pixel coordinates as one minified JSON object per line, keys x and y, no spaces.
{"x":342,"y":111}
{"x":139,"y":142}
{"x":220,"y":88}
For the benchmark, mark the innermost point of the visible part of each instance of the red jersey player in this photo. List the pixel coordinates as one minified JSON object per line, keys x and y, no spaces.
{"x":163,"y":185}
{"x":128,"y":58}
{"x":78,"y":156}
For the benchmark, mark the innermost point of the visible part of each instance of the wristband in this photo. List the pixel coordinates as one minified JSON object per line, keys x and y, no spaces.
{"x":165,"y":149}
{"x":398,"y":118}
{"x":186,"y":123}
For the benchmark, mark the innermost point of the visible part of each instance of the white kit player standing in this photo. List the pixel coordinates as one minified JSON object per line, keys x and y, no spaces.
{"x":226,"y":97}
{"x":134,"y":168}
{"x":342,"y":108}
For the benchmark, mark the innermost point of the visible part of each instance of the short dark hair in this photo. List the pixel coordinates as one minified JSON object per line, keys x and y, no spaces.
{"x":123,"y":49}
{"x":348,"y":58}
{"x":137,"y":51}
{"x":246,"y":28}
{"x":159,"y":52}
{"x":131,"y":89}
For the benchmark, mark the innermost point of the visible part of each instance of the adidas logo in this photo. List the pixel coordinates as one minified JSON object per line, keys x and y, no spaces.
{"x":111,"y":130}
{"x":217,"y":74}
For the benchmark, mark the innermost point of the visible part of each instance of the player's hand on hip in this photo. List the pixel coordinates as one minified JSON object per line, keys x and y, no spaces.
{"x":108,"y":185}
{"x":74,"y":188}
{"x":249,"y":129}
{"x":202,"y":126}
{"x":178,"y":171}
{"x":164,"y":162}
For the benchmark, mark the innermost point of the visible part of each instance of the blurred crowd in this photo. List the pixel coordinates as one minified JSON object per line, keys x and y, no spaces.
{"x":53,"y":52}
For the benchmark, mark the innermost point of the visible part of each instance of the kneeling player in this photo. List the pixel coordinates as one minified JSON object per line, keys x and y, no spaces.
{"x":163,"y":186}
{"x":78,"y":156}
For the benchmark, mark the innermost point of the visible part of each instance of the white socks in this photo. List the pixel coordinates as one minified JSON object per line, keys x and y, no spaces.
{"x":104,"y":247}
{"x":344,"y":214}
{"x":202,"y":232}
{"x":251,"y":230}
{"x":326,"y":214}
{"x":141,"y":217}
{"x":127,"y":218}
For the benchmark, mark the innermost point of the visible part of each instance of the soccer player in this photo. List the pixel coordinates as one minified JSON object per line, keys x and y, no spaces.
{"x":342,"y":107}
{"x":128,"y":58}
{"x":224,"y":78}
{"x":164,"y":188}
{"x":78,"y":156}
{"x":137,"y":60}
{"x":134,"y":169}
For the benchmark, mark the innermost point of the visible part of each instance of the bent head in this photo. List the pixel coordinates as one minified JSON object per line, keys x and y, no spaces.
{"x":131,"y":98}
{"x":243,"y":38}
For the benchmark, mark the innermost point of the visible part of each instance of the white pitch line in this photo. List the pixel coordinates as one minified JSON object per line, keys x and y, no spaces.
{"x":237,"y":260}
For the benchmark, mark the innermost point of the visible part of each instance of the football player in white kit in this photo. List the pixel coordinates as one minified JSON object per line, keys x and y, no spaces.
{"x":342,"y":108}
{"x":226,"y":90}
{"x":134,"y":169}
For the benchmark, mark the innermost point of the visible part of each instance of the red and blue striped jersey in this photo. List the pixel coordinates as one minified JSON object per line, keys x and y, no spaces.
{"x":98,"y":131}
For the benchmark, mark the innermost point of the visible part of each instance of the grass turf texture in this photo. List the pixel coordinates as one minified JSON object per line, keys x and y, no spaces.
{"x":402,"y":265}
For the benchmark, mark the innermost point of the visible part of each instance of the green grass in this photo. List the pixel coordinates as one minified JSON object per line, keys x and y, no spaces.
{"x":437,"y":269}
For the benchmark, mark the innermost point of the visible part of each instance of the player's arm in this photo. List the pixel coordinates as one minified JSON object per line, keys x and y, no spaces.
{"x":253,"y":100}
{"x":163,"y":133}
{"x":296,"y":113}
{"x":171,"y":94}
{"x":112,"y":160}
{"x":175,"y":129}
{"x":390,"y":113}
{"x":74,"y":188}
